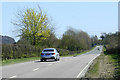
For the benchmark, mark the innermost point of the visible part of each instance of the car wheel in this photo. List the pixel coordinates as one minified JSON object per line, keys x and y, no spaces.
{"x":44,"y":59}
{"x":56,"y":59}
{"x":41,"y":60}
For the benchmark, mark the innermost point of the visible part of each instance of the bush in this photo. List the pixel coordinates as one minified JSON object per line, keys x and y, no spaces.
{"x":63,"y":52}
{"x":15,"y":51}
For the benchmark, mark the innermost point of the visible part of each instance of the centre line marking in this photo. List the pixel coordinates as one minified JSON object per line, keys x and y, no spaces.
{"x":13,"y":76}
{"x":49,"y":64}
{"x":58,"y":61}
{"x":35,"y":69}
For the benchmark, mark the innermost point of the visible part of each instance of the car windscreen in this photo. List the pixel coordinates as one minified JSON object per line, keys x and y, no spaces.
{"x":48,"y":50}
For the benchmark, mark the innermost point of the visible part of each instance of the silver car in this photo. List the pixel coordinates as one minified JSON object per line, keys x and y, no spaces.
{"x":50,"y":53}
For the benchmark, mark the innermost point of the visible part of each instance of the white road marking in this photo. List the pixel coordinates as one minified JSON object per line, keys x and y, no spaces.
{"x":58,"y":61}
{"x":13,"y":76}
{"x":78,"y":76}
{"x":35,"y":69}
{"x":49,"y":64}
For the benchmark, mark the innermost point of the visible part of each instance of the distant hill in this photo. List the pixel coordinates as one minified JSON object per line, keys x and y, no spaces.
{"x":7,"y":40}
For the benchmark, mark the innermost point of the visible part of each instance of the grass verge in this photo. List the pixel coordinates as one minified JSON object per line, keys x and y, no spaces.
{"x":104,"y":66}
{"x":13,"y":61}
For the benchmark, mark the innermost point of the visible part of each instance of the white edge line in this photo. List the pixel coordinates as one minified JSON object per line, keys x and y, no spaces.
{"x":35,"y":69}
{"x":86,"y":66}
{"x":13,"y":76}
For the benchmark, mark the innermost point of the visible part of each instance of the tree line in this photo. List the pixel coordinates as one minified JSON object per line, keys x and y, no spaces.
{"x":72,"y":40}
{"x":111,"y":42}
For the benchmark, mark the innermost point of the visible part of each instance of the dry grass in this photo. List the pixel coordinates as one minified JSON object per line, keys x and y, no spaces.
{"x":102,"y":67}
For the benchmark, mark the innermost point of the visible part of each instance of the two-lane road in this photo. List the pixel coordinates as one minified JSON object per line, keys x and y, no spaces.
{"x":67,"y":67}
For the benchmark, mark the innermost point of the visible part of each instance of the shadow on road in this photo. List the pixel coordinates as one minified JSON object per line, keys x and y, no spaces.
{"x":44,"y":61}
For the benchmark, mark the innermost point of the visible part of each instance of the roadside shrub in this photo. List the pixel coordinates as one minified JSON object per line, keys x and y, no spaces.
{"x":63,"y":52}
{"x":15,"y":51}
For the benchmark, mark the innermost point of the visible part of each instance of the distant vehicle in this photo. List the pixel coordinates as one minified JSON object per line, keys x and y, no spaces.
{"x":98,"y":49}
{"x":50,"y":53}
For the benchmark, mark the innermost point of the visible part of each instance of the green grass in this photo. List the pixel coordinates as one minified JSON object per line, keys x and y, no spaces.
{"x":105,"y":66}
{"x":104,"y":49}
{"x":112,"y":57}
{"x":0,"y":62}
{"x":115,"y":59}
{"x":95,"y":69}
{"x":13,"y":61}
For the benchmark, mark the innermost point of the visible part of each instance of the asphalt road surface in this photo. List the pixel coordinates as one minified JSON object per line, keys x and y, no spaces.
{"x":67,"y":67}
